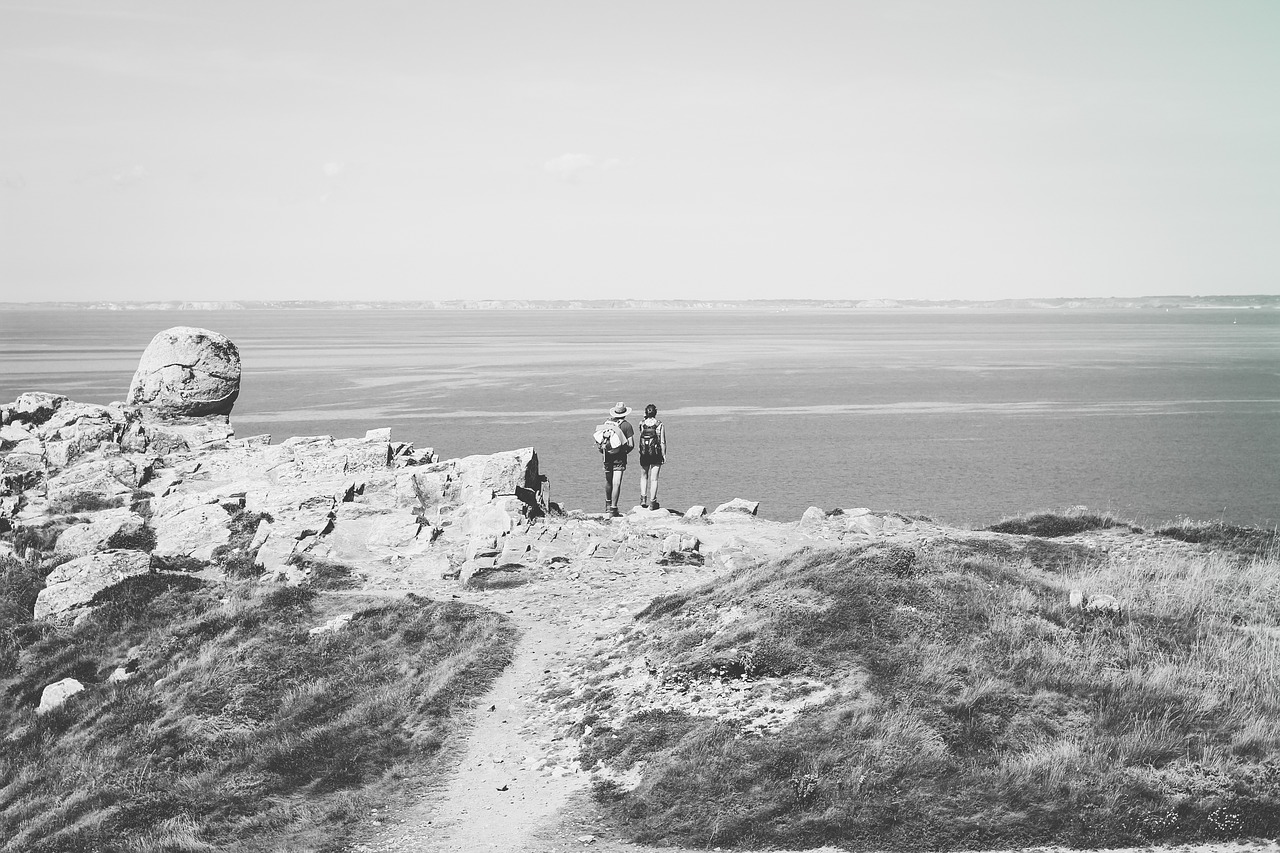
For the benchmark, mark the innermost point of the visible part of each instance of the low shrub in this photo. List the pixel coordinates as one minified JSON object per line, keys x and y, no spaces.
{"x":86,"y":502}
{"x":1248,"y":541}
{"x":1052,"y":524}
{"x":141,"y":539}
{"x":324,"y":574}
{"x":177,"y":563}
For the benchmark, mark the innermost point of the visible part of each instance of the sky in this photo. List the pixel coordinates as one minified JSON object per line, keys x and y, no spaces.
{"x":333,"y":149}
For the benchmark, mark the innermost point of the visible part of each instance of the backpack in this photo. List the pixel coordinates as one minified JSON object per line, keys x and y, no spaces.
{"x":608,"y":436}
{"x":650,"y":440}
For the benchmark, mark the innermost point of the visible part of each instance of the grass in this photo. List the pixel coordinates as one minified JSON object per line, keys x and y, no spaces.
{"x":238,"y":731}
{"x":1249,"y":541}
{"x":1053,"y":524}
{"x":978,"y":710}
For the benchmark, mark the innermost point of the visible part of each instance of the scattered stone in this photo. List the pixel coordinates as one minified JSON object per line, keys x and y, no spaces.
{"x":57,"y":693}
{"x":1102,"y":604}
{"x":337,"y":623}
{"x":695,"y":511}
{"x":187,"y":371}
{"x":813,"y":520}
{"x":738,"y":505}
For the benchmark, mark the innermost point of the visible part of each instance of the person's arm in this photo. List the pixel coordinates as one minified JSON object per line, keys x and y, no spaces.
{"x":662,"y":439}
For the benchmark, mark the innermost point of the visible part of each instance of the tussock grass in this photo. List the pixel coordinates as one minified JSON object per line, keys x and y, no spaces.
{"x":238,"y":730}
{"x":1053,"y":524}
{"x":1250,"y":541}
{"x":979,"y":709}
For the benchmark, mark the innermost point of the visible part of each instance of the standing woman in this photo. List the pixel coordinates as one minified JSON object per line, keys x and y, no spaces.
{"x":653,"y":452}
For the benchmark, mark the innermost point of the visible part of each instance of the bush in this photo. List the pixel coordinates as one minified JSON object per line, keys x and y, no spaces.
{"x":86,"y":502}
{"x":1050,"y":524}
{"x":1249,"y":541}
{"x":324,"y":574}
{"x":142,"y":539}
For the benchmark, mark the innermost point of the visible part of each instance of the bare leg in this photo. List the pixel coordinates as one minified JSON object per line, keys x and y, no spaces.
{"x":644,"y":485}
{"x":654,"y":471}
{"x":608,"y":487}
{"x":617,"y":488}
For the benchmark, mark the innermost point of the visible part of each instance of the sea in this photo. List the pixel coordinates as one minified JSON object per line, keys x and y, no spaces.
{"x":963,"y":415}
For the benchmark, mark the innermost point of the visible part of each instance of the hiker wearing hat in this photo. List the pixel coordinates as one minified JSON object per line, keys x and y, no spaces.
{"x":614,"y":439}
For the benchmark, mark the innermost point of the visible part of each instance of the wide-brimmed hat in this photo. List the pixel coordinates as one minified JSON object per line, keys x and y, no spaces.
{"x":619,"y":411}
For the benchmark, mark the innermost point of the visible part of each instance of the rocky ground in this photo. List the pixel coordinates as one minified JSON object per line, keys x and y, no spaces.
{"x":474,"y":529}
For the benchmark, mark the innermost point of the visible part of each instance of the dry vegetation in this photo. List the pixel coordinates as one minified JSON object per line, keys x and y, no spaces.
{"x":237,"y":729}
{"x":977,"y":708}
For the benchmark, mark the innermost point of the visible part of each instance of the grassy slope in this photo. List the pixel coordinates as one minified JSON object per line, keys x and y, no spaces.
{"x":993,"y":715}
{"x":239,"y":730}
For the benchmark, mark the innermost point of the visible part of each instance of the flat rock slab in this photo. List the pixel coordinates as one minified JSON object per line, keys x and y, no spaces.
{"x":76,"y":582}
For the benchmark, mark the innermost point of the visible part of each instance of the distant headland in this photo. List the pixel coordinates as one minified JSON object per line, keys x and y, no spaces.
{"x":1244,"y":301}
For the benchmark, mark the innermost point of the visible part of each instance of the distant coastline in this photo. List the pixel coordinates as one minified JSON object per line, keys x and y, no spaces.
{"x":1254,"y":302}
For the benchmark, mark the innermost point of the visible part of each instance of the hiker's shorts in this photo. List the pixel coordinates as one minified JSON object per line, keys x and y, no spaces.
{"x":619,"y":464}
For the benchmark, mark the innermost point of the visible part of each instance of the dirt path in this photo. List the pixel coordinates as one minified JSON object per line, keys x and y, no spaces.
{"x":516,"y":785}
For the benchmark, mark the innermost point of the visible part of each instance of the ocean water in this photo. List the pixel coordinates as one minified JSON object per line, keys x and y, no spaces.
{"x":963,"y":415}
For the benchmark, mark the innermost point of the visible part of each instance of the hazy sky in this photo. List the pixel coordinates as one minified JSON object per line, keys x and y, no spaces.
{"x":330,"y":149}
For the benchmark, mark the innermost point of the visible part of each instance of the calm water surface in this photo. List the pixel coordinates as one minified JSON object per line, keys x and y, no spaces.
{"x":963,"y":415}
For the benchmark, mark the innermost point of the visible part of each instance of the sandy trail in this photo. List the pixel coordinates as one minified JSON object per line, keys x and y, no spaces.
{"x":516,"y":785}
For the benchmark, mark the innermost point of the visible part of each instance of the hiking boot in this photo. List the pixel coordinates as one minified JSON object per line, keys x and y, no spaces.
{"x":644,"y":505}
{"x":653,"y":505}
{"x":616,"y":513}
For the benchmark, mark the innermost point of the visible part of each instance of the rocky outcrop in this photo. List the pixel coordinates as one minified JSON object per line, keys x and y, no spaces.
{"x":192,"y":531}
{"x":187,"y":371}
{"x":472,"y":480}
{"x":100,"y":532}
{"x":75,"y":583}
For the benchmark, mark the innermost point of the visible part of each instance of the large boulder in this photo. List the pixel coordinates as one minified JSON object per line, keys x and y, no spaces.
{"x":187,"y":371}
{"x":75,"y":583}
